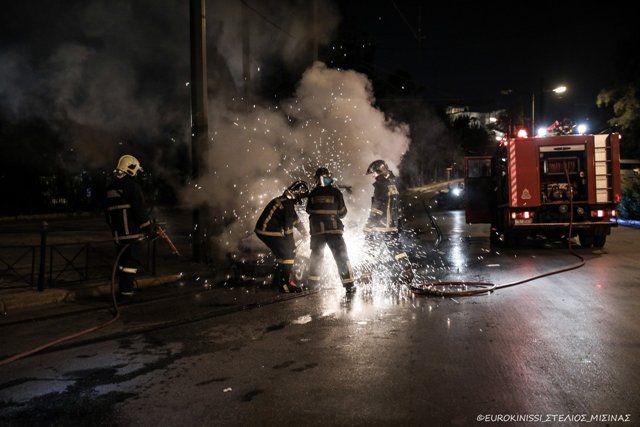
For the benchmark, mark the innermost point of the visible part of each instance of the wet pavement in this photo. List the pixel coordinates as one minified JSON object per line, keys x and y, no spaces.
{"x":563,"y":345}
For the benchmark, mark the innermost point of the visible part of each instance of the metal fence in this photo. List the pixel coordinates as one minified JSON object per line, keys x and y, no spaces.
{"x":51,"y":265}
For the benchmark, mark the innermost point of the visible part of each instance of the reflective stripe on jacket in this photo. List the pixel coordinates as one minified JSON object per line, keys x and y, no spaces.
{"x":385,"y":205}
{"x":326,"y":208}
{"x":125,"y":209}
{"x":278,"y":218}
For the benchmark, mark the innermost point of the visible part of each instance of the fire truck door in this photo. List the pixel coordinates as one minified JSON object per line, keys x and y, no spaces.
{"x":479,"y":189}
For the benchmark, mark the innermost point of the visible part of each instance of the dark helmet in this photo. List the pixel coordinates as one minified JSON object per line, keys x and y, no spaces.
{"x":323,"y":177}
{"x":298,"y":190}
{"x":378,"y":167}
{"x":322,"y":172}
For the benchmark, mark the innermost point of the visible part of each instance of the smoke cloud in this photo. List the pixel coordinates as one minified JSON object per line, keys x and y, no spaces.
{"x":330,"y":121}
{"x":108,"y":71}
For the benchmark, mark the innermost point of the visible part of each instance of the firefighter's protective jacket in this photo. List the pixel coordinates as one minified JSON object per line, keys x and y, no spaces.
{"x":126,"y":210}
{"x":278,"y":218}
{"x":385,"y":204}
{"x":326,"y":208}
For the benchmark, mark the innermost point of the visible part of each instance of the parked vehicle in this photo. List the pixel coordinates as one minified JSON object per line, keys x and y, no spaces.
{"x":536,"y":186}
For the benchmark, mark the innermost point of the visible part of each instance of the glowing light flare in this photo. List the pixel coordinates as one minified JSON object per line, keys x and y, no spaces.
{"x":582,"y":128}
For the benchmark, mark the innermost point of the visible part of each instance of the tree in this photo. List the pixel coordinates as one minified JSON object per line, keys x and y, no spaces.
{"x":625,"y":106}
{"x":630,"y":204}
{"x":624,"y":97}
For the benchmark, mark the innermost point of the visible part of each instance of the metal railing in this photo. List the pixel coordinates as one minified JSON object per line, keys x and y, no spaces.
{"x":64,"y":263}
{"x":13,"y":270}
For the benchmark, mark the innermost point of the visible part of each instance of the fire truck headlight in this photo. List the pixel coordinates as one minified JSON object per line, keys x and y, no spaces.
{"x":582,"y":128}
{"x":456,"y":192}
{"x":580,"y":211}
{"x":563,"y":209}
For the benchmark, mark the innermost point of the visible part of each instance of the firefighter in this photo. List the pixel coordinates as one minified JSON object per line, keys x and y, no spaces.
{"x":382,"y":226}
{"x":128,"y":219}
{"x":326,"y":208}
{"x":275,"y":228}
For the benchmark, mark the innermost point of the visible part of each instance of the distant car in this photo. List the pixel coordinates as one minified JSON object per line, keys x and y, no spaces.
{"x":451,"y":197}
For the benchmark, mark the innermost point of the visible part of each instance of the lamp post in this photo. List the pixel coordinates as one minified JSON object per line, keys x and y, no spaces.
{"x":558,"y":91}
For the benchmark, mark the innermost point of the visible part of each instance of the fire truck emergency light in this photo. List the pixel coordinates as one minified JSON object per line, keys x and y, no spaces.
{"x":522,"y":133}
{"x":582,"y":129}
{"x":542,"y":131}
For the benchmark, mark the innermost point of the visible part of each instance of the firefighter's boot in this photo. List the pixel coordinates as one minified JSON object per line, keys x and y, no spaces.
{"x":286,"y":283}
{"x":407,"y":276}
{"x":126,"y":281}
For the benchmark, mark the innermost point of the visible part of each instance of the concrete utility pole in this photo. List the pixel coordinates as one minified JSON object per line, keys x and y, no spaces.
{"x":533,"y":114}
{"x":246,"y":55}
{"x":199,"y":125}
{"x":315,"y":30}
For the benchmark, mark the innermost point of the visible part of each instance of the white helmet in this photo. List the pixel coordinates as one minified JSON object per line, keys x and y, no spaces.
{"x":129,"y":165}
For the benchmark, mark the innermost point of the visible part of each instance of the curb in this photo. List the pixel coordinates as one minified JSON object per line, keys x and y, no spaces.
{"x":30,"y":298}
{"x":46,"y":216}
{"x":629,"y":223}
{"x":104,"y":288}
{"x":432,"y":186}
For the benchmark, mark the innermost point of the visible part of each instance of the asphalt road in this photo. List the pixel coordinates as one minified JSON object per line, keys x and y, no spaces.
{"x":563,"y":346}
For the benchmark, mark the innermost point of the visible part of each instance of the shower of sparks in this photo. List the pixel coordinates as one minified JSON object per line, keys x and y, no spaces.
{"x":258,"y":150}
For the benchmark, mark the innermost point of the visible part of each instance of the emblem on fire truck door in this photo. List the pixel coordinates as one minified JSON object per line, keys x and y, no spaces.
{"x":525,"y":194}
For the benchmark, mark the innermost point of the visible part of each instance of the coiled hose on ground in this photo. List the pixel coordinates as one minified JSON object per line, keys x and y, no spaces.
{"x":464,"y":289}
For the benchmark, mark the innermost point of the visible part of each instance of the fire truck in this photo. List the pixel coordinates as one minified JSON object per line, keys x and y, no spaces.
{"x":530,"y":185}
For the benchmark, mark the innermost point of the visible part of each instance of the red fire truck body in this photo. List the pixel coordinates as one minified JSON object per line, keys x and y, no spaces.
{"x":527,"y":186}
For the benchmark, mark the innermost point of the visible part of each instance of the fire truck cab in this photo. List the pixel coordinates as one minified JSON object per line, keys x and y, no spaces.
{"x":528,"y":188}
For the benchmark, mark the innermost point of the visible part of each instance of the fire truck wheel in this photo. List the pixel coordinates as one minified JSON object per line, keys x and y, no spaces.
{"x":599,"y":241}
{"x":586,"y":240}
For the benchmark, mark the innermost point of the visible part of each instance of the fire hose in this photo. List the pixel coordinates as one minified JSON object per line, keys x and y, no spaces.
{"x":114,"y":305}
{"x":446,"y":289}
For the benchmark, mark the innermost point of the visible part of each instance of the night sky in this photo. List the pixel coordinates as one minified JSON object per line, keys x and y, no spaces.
{"x":467,"y":53}
{"x":472,"y":50}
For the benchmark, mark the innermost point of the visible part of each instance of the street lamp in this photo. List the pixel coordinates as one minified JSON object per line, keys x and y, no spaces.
{"x":558,"y":91}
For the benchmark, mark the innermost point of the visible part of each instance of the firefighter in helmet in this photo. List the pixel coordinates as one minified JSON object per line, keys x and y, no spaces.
{"x":382,"y":225}
{"x":275,"y":228}
{"x":128,"y":218}
{"x":326,"y":208}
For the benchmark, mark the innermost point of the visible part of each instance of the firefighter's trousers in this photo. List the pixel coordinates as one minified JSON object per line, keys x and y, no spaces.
{"x":128,"y":266}
{"x":339,"y":251}
{"x":283,"y":249}
{"x":390,"y":240}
